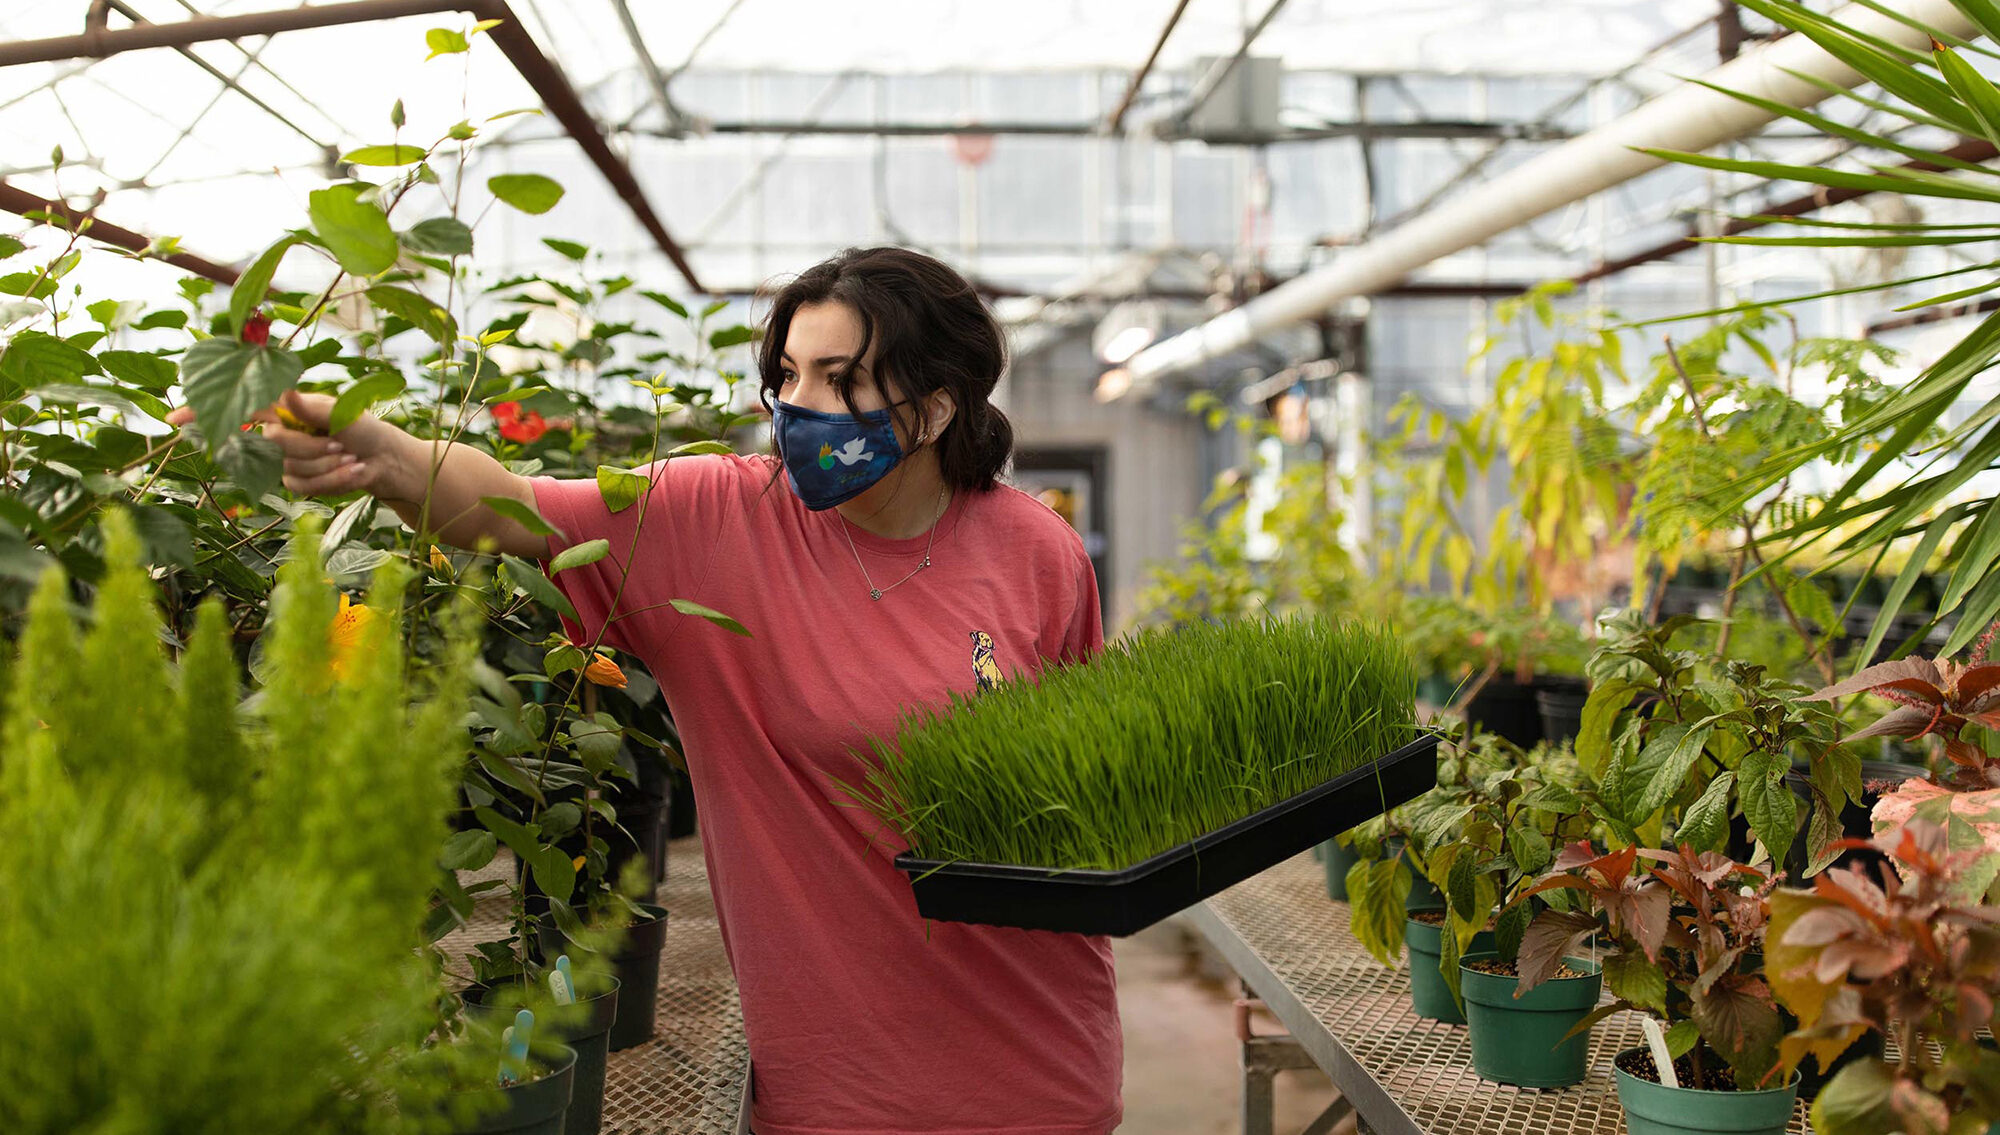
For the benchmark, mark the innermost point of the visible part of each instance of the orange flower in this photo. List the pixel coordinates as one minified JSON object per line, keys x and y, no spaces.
{"x":350,"y":625}
{"x":604,"y":672}
{"x":440,"y":563}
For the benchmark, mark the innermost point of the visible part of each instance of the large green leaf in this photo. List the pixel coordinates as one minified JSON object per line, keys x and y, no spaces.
{"x":528,"y":192}
{"x":1980,"y":97}
{"x":228,"y":380}
{"x":397,"y":155}
{"x":528,"y":578}
{"x":428,"y":317}
{"x":148,"y":371}
{"x":1768,"y":802}
{"x":34,"y":358}
{"x":376,"y":386}
{"x":255,"y":464}
{"x":251,"y":287}
{"x":522,"y":513}
{"x":1705,"y":824}
{"x":620,"y":488}
{"x":445,"y":236}
{"x":579,"y":555}
{"x":690,"y":607}
{"x":1652,"y":778}
{"x":354,"y":229}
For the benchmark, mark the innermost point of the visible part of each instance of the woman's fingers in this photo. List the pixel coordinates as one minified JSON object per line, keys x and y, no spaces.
{"x":345,"y":479}
{"x":301,"y":446}
{"x":317,"y":466}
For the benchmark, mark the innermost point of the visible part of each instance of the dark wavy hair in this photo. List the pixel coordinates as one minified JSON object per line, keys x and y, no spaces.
{"x":930,"y":332}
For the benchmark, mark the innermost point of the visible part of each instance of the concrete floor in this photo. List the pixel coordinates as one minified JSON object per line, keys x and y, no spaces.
{"x":1183,"y":1065}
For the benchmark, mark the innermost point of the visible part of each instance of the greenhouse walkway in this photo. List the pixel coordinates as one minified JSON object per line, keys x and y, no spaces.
{"x":1403,"y":1075}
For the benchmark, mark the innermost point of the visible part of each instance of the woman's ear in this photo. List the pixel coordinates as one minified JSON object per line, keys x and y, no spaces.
{"x":939,"y":409}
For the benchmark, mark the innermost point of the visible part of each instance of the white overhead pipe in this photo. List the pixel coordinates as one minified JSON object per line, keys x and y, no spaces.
{"x":1689,"y":117}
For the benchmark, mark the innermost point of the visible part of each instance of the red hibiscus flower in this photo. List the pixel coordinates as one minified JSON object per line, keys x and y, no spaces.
{"x":518,"y":426}
{"x":257,"y":329}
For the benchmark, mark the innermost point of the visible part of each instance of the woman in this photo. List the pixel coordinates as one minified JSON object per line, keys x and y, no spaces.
{"x":891,"y":570}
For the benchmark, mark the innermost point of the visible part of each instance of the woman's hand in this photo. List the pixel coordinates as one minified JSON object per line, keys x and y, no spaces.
{"x":369,"y":456}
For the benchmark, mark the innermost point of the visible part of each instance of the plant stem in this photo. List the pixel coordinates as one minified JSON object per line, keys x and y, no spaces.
{"x":1813,"y":647}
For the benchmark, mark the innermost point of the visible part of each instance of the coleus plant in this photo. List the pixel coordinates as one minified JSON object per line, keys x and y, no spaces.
{"x":1958,"y":703}
{"x":1900,"y":955}
{"x":1677,"y":925}
{"x":1935,"y":697}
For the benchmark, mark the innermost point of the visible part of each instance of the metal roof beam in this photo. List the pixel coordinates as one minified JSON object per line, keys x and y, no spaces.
{"x":514,"y":42}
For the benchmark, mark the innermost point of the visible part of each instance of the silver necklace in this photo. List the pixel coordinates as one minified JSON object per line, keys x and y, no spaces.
{"x":874,"y":592}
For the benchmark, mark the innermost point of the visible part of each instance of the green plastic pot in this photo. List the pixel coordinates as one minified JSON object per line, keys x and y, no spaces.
{"x":1520,"y":1040}
{"x":1655,"y":1109}
{"x":1429,"y":993}
{"x":536,"y":1107}
{"x":590,"y":1036}
{"x":1336,"y":859}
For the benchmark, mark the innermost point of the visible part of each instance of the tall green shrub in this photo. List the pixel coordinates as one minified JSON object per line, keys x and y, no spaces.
{"x":211,"y":910}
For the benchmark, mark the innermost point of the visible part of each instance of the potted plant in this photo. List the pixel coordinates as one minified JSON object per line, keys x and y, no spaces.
{"x":1680,"y":929}
{"x":1481,"y":849}
{"x":1281,"y":729}
{"x":1904,"y":955}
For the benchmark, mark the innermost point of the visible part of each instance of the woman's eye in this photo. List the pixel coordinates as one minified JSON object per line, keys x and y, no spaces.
{"x":787,"y":378}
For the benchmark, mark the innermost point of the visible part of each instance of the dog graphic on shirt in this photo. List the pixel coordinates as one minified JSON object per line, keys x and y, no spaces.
{"x":984,"y":669}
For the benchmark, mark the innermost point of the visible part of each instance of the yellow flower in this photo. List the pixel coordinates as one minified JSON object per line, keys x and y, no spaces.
{"x":604,"y":672}
{"x":350,"y":625}
{"x":440,"y":562}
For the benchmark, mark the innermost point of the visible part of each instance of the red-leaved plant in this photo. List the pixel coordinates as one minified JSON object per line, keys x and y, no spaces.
{"x":1945,"y":698}
{"x":1898,"y":955}
{"x":1677,"y":924}
{"x":1935,"y":697}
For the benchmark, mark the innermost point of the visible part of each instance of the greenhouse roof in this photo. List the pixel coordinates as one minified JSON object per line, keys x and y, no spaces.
{"x":219,"y":142}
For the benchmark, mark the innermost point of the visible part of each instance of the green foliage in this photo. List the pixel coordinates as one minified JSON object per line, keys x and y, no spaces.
{"x":81,"y":433}
{"x":1164,"y":737}
{"x":1921,"y":421}
{"x":212,"y":913}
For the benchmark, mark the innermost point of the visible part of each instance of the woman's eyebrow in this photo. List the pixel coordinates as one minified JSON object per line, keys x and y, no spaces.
{"x":824,"y":360}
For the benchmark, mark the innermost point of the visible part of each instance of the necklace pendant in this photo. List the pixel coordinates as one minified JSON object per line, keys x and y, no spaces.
{"x":875,"y":594}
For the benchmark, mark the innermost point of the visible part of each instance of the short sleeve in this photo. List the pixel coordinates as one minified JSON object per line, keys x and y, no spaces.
{"x":668,"y":538}
{"x":1084,"y":637}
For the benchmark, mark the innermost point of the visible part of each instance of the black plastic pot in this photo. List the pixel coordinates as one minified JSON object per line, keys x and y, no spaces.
{"x":1128,"y":901}
{"x":1560,"y":701}
{"x":590,"y":1036}
{"x":535,"y":1107}
{"x":1507,"y":708}
{"x":680,"y":805}
{"x":637,"y":966}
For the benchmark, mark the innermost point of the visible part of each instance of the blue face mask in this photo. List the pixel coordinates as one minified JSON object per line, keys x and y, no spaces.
{"x":833,"y":458}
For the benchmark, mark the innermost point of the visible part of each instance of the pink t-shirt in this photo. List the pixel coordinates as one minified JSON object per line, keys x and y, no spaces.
{"x":862,"y":1017}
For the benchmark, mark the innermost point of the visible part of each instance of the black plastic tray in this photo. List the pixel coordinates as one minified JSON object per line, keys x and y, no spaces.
{"x":1128,"y":901}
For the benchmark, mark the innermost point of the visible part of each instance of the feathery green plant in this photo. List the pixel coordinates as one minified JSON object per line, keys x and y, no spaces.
{"x":1162,"y":738}
{"x":210,"y":912}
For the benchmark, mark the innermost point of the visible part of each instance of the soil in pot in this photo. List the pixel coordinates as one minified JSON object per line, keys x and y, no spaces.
{"x":1715,"y":1107}
{"x":1424,"y":934}
{"x":1507,"y":708}
{"x":590,"y":1035}
{"x":1559,"y":702}
{"x":531,"y":1107}
{"x":1521,"y":1040}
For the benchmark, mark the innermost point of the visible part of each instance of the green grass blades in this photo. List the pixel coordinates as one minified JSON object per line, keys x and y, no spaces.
{"x":1164,"y":737}
{"x":212,"y":917}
